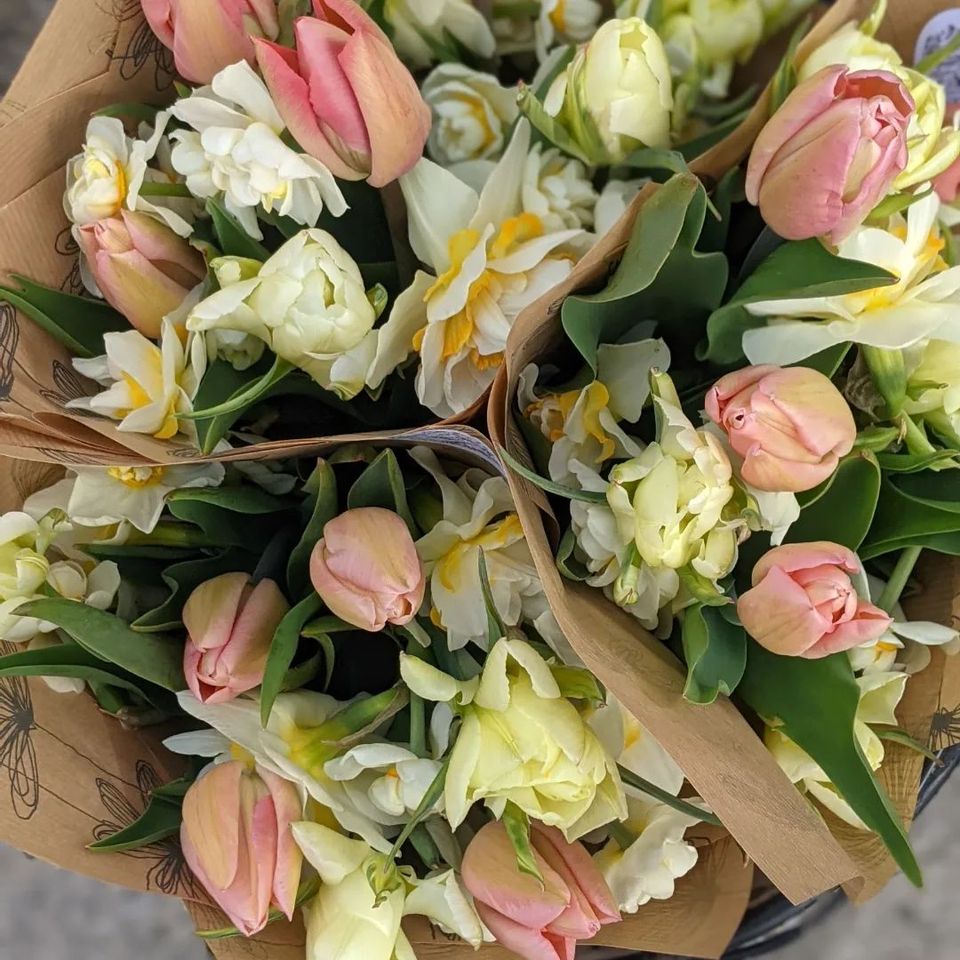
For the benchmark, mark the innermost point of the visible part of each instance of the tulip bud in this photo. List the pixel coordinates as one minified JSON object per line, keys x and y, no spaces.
{"x":803,"y":602}
{"x":791,"y":425}
{"x":532,"y":920}
{"x":230,"y":623}
{"x":237,"y":840}
{"x":947,"y":184}
{"x":830,"y":153}
{"x":208,"y":35}
{"x":366,"y":569}
{"x":615,"y":95}
{"x":345,"y":96}
{"x":142,"y":268}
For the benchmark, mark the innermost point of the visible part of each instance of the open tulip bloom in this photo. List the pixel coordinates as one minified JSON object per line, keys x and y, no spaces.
{"x":741,"y":406}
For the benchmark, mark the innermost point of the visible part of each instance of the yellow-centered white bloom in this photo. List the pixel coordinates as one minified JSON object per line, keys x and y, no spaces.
{"x":102,"y":496}
{"x":520,"y":741}
{"x":307,"y":303}
{"x":615,"y":96}
{"x":923,"y":303}
{"x":235,"y":149}
{"x":418,"y":26}
{"x":479,"y":517}
{"x":345,"y":919}
{"x":108,"y":175}
{"x":148,"y":385}
{"x":879,"y":695}
{"x":558,"y":190}
{"x":472,"y":113}
{"x":489,"y":259}
{"x":659,"y":855}
{"x":582,"y":424}
{"x":565,"y":21}
{"x":613,"y":201}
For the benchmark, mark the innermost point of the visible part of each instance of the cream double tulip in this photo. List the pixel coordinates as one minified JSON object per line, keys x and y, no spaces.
{"x":489,"y":259}
{"x":521,"y":741}
{"x":307,"y":303}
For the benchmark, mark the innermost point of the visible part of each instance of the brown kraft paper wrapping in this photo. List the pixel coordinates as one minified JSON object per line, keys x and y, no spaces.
{"x":72,"y":774}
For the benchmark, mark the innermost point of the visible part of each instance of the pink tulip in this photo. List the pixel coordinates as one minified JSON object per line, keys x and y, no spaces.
{"x":237,"y":840}
{"x":208,"y":35}
{"x":345,"y":96}
{"x":803,"y":603}
{"x":947,"y":184}
{"x":537,"y":922}
{"x":827,"y":157}
{"x":143,"y":269}
{"x":367,"y":570}
{"x":790,"y":424}
{"x":230,"y":623}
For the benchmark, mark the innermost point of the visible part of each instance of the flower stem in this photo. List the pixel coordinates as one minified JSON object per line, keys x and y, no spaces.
{"x":890,"y":594}
{"x":418,"y":727}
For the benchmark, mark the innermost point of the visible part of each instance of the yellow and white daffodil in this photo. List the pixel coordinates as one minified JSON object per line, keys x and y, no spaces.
{"x":583,"y":423}
{"x":488,"y":260}
{"x":472,"y":114}
{"x":307,"y":303}
{"x":418,"y":26}
{"x":347,"y":919}
{"x":235,"y":148}
{"x":103,"y":496}
{"x":521,"y":741}
{"x":564,"y":22}
{"x":879,"y":695}
{"x":149,"y":386}
{"x":479,"y":516}
{"x":106,"y":177}
{"x":923,"y":303}
{"x":558,"y":190}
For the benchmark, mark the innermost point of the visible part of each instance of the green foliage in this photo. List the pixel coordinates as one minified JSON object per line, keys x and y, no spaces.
{"x":283,"y":649}
{"x":715,"y":651}
{"x":319,"y":509}
{"x":382,"y":485}
{"x":232,"y":239}
{"x":160,"y":820}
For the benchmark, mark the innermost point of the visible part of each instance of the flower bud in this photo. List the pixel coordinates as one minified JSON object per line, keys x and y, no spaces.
{"x":534,"y":920}
{"x":790,"y":424}
{"x":142,"y":268}
{"x":366,"y":569}
{"x":830,"y":153}
{"x":803,"y":602}
{"x":230,"y":623}
{"x":237,"y":840}
{"x":345,"y":96}
{"x":208,"y":35}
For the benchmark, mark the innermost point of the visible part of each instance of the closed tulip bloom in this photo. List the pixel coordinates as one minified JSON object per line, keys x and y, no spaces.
{"x":237,"y":840}
{"x":208,"y":35}
{"x":803,"y":602}
{"x":537,"y":922}
{"x":142,"y":268}
{"x":345,"y":96}
{"x":791,"y":425}
{"x":828,"y":156}
{"x":947,"y":184}
{"x":230,"y":622}
{"x":366,"y":569}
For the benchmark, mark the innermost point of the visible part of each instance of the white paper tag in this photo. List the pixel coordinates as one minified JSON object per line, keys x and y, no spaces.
{"x":939,"y":31}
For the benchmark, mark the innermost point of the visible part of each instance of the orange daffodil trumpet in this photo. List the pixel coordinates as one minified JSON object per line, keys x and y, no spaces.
{"x":345,"y":96}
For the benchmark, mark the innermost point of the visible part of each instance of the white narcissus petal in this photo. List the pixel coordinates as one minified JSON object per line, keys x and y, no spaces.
{"x":395,"y":338}
{"x":432,"y":684}
{"x":925,"y":632}
{"x":441,"y":899}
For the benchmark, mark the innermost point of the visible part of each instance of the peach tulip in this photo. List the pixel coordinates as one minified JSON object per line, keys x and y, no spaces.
{"x":208,"y":35}
{"x":367,"y":570}
{"x":804,"y":604}
{"x":142,"y":268}
{"x":790,"y":424}
{"x":947,"y":184}
{"x":345,"y":96}
{"x":828,"y":156}
{"x":237,"y":840}
{"x":230,"y":624}
{"x":537,"y":922}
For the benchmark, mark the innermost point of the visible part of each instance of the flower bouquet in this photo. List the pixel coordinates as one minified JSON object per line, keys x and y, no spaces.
{"x":291,"y":220}
{"x":738,"y":445}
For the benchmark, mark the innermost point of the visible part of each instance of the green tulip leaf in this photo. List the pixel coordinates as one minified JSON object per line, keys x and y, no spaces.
{"x":661,"y":274}
{"x":517,"y":825}
{"x":283,"y":649}
{"x":320,"y":508}
{"x":381,"y":485}
{"x":715,"y":652}
{"x":816,"y":704}
{"x":161,"y":819}
{"x":550,"y":486}
{"x":233,"y":240}
{"x":667,"y":798}
{"x":230,"y":516}
{"x":79,"y":323}
{"x":148,"y":656}
{"x":842,"y":509}
{"x":794,"y":270}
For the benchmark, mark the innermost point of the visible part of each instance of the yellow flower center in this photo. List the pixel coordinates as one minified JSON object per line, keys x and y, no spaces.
{"x":555,"y":410}
{"x":493,"y":537}
{"x":137,"y":477}
{"x":558,"y":16}
{"x":244,"y":756}
{"x":478,"y":114}
{"x":96,"y":169}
